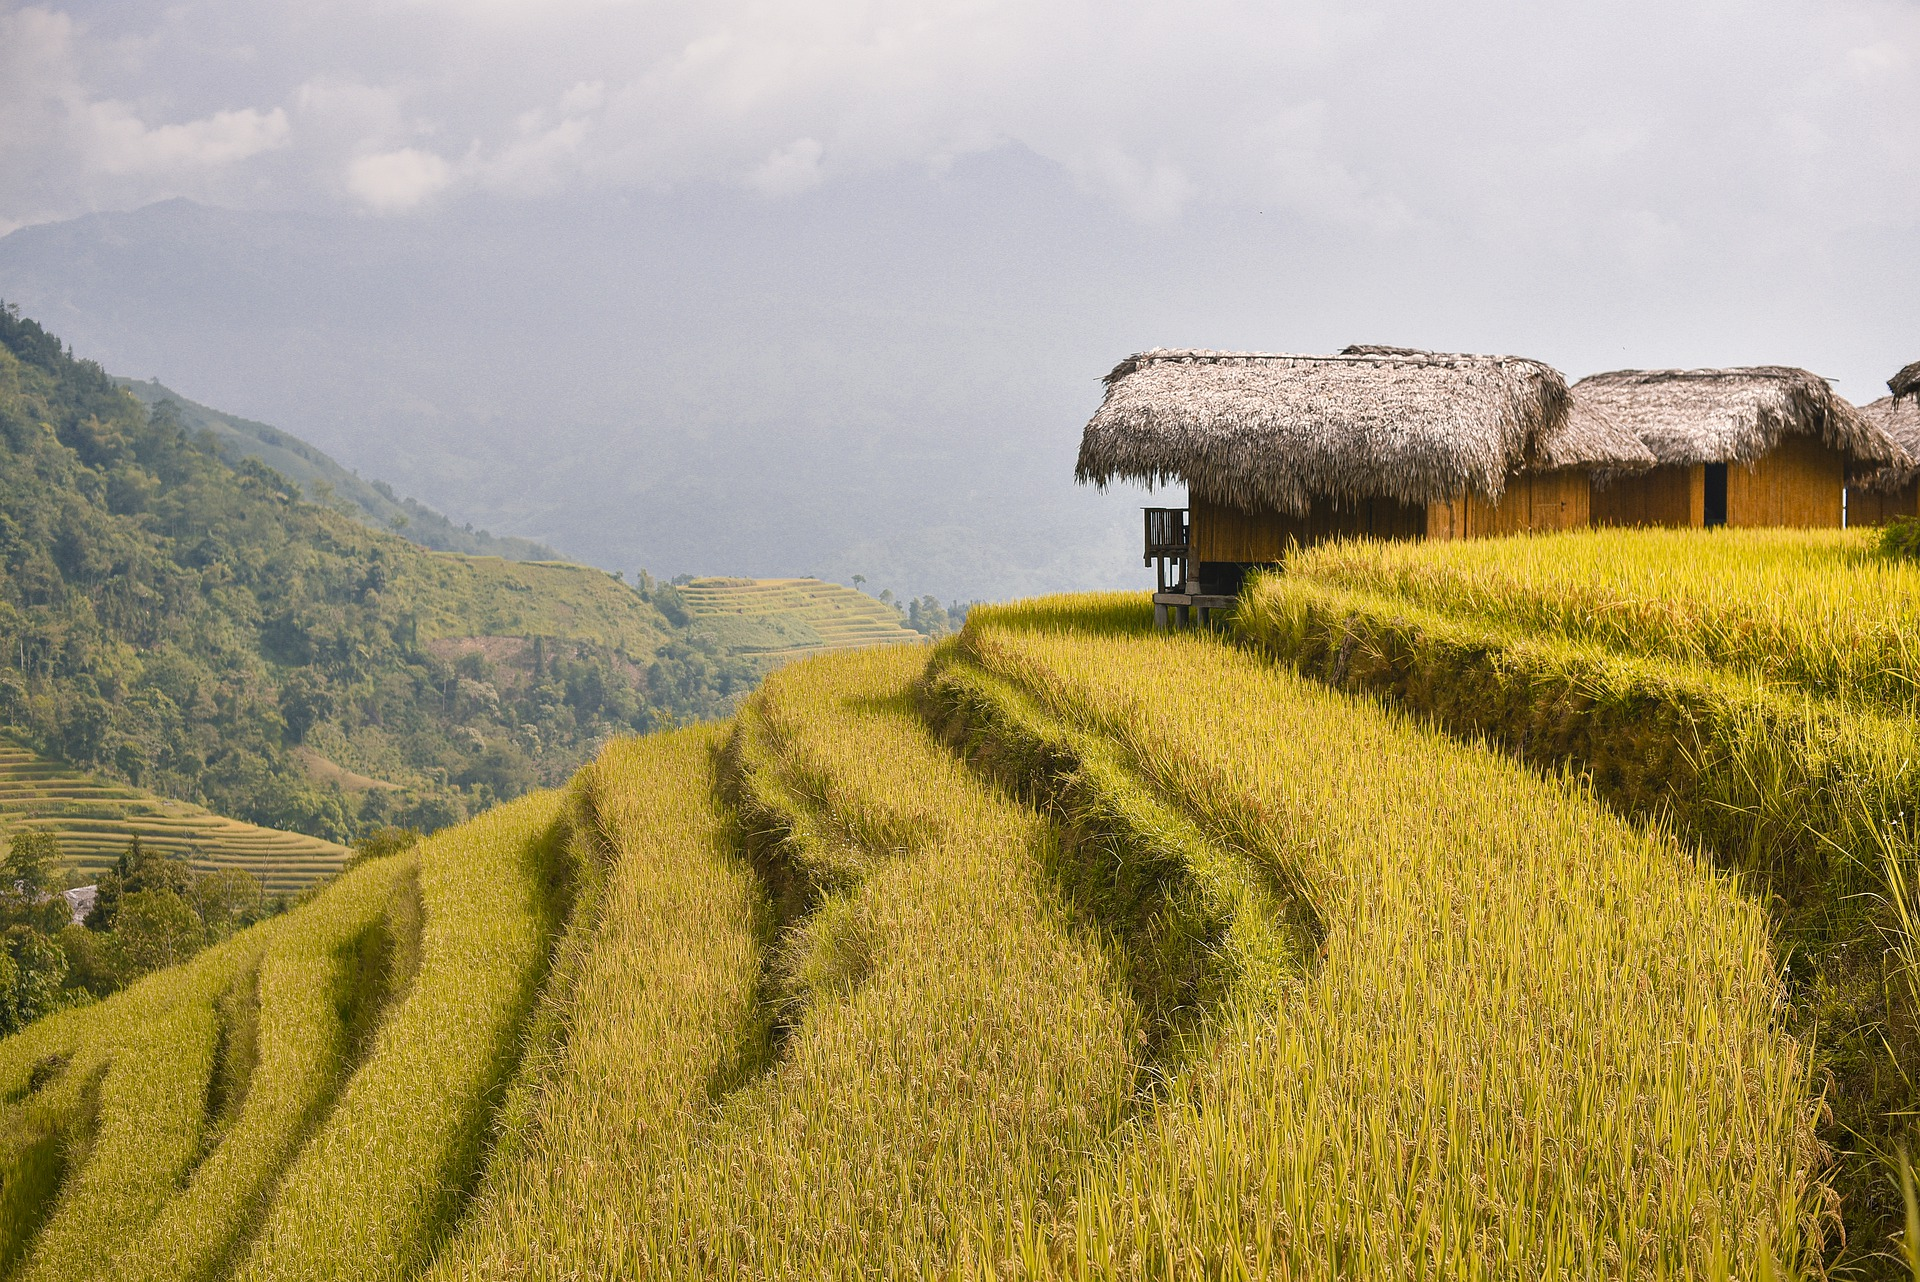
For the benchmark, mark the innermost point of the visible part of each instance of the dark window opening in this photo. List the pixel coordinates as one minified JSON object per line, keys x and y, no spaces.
{"x":1716,"y":505}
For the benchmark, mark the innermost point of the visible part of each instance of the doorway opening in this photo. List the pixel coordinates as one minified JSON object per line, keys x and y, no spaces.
{"x":1716,"y":504}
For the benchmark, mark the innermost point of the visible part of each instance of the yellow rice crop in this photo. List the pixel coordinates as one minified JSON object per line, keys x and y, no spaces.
{"x":1813,"y":607}
{"x":831,"y":1004}
{"x":303,"y":1054}
{"x":954,"y":1049}
{"x":1539,"y":1042}
{"x":656,"y":986}
{"x":383,"y":1174}
{"x":160,"y":1194}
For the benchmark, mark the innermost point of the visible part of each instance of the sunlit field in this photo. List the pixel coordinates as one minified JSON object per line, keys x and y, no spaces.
{"x":1066,"y":949}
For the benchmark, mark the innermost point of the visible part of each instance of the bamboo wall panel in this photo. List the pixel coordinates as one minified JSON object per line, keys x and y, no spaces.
{"x":1220,"y":532}
{"x":1666,"y":496}
{"x":1799,"y":483}
{"x":1867,"y":507}
{"x":1532,"y":503}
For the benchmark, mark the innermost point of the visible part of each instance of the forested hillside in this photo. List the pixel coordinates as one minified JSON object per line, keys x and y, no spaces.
{"x":190,"y":625}
{"x":324,"y":481}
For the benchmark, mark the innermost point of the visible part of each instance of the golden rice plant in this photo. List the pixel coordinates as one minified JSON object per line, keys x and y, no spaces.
{"x":655,"y":991}
{"x":386,"y":1171}
{"x":1631,"y":656}
{"x":947,"y":1048}
{"x":150,"y":1127}
{"x":106,"y":1113}
{"x":1539,"y":1041}
{"x":307,"y":1012}
{"x":1816,"y":608}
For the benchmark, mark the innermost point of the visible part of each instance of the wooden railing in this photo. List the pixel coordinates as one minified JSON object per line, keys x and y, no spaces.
{"x":1168,"y":546}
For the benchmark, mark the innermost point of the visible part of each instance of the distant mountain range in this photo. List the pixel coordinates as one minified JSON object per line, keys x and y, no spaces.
{"x":672,"y":384}
{"x":324,"y":481}
{"x":174,"y":617}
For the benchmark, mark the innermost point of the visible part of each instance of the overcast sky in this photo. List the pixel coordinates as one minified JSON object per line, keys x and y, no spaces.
{"x":1637,"y":183}
{"x":1632,"y":128}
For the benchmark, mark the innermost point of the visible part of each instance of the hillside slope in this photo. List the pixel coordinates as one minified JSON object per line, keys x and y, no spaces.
{"x":187,"y":625}
{"x":1005,"y":958}
{"x":780,"y":619}
{"x":324,"y":481}
{"x":1754,"y":689}
{"x":95,"y":819}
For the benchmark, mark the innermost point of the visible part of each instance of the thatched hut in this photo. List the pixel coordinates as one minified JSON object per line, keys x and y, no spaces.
{"x":1765,"y":445}
{"x":1278,"y":450}
{"x":1906,"y":382}
{"x":1892,"y":491}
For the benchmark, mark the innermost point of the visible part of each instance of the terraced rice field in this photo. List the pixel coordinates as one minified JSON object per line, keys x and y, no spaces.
{"x":1007,"y":958}
{"x":1755,"y":686}
{"x":783,"y":619}
{"x":95,"y":819}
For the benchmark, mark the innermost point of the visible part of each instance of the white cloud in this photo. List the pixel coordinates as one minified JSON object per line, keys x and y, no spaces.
{"x":393,"y":182}
{"x":1378,"y":119}
{"x":1876,"y":60}
{"x":124,"y":144}
{"x":788,"y":170}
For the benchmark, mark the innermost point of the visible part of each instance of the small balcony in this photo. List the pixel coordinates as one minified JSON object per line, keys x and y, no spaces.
{"x":1168,"y":546}
{"x":1179,"y":598}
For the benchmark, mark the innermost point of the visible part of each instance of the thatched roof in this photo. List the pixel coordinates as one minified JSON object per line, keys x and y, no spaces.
{"x":1906,"y":382}
{"x":1259,"y":430}
{"x":1898,"y":417}
{"x":1688,"y":416}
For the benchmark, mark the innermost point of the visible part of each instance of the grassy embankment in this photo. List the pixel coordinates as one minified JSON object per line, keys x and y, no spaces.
{"x":481,"y":596}
{"x":308,"y":1099}
{"x":95,"y":819}
{"x":1757,"y":686}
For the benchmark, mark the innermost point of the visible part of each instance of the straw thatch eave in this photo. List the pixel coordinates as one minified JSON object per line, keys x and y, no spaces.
{"x":1898,"y":417}
{"x":1688,"y":416}
{"x":1906,"y":382}
{"x":1269,"y":431}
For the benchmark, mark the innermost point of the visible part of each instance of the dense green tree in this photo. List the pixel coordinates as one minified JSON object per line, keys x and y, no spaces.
{"x":137,"y":870}
{"x":33,"y":972}
{"x":227,"y":899}
{"x":154,"y":928}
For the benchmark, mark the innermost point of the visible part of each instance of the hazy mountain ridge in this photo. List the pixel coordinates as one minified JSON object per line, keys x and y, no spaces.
{"x":672,"y":384}
{"x":187,"y":625}
{"x":323,"y":480}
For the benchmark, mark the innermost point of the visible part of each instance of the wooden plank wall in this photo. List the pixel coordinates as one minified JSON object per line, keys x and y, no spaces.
{"x":1531,"y":503}
{"x":1666,"y":496}
{"x":1868,"y":507}
{"x":1798,"y":484}
{"x":1220,"y":532}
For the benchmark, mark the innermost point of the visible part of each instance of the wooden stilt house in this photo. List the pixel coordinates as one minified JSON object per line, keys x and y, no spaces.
{"x":1280,"y":450}
{"x":1893,"y":491}
{"x":1765,"y":445}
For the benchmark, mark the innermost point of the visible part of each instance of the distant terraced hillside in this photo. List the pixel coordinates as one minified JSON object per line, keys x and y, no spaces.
{"x":95,"y":819}
{"x":781,"y":619}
